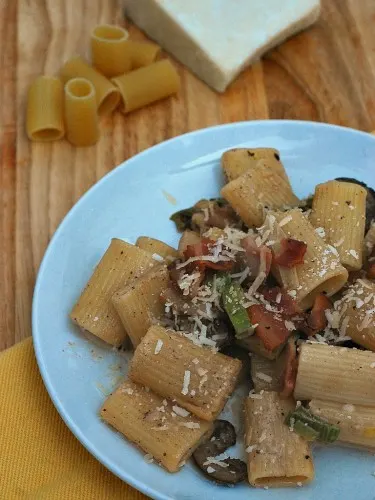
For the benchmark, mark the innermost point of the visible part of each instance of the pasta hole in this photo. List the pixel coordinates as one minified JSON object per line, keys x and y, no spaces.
{"x":47,"y":134}
{"x":80,"y":88}
{"x":110,"y":33}
{"x":109,"y":103}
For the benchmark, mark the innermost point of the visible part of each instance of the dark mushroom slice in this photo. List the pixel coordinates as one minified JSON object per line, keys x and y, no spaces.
{"x":370,"y":199}
{"x":228,"y":470}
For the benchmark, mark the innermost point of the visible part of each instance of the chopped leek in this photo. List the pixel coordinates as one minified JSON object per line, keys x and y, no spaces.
{"x":312,"y":427}
{"x":233,"y":298}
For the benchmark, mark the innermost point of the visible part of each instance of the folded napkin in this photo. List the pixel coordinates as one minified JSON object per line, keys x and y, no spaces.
{"x":40,"y":459}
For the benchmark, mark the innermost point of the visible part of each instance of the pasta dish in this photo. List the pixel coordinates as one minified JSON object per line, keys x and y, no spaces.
{"x":264,"y":289}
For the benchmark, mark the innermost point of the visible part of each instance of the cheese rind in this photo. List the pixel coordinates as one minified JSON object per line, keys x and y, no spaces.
{"x":217,"y":39}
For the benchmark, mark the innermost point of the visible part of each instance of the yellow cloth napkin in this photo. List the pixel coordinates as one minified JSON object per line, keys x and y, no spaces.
{"x":40,"y":459}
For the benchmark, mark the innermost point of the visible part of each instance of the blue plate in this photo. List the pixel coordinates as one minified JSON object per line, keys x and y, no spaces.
{"x":136,"y":199}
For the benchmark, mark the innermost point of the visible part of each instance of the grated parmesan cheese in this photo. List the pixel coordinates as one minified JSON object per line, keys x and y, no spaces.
{"x":159,"y":345}
{"x":185,"y":387}
{"x":285,"y":220}
{"x":181,"y":412}
{"x":263,"y":376}
{"x":190,"y":425}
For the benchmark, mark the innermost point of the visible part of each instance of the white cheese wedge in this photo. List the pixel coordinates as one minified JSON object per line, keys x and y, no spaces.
{"x":217,"y":39}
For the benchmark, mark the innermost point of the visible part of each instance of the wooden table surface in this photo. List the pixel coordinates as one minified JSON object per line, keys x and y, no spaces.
{"x":325,"y":74}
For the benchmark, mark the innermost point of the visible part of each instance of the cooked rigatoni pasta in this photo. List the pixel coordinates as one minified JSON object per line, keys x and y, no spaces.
{"x":110,"y":50}
{"x":159,"y":427}
{"x":154,"y":246}
{"x":139,"y":305}
{"x":356,"y":423}
{"x":142,"y":53}
{"x":257,"y":190}
{"x":107,"y":95}
{"x":94,"y":310}
{"x":146,"y":85}
{"x":357,"y":313}
{"x":321,"y":271}
{"x":335,"y":373}
{"x":45,"y":105}
{"x":197,"y":378}
{"x":276,"y":456}
{"x":340,"y":209}
{"x":81,"y":117}
{"x":236,"y":162}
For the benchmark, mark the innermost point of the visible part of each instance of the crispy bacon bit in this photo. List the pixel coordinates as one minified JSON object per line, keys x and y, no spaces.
{"x":270,"y":330}
{"x":371,"y":271}
{"x":253,"y":255}
{"x":204,"y":248}
{"x":280,"y":298}
{"x":290,"y":371}
{"x":291,"y":253}
{"x":317,"y":320}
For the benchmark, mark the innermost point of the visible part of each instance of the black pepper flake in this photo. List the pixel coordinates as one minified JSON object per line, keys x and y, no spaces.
{"x":307,"y":457}
{"x":348,"y":202}
{"x":250,"y":153}
{"x":277,"y":157}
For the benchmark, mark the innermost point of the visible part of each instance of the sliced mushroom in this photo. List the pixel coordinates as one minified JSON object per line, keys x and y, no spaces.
{"x":228,"y":470}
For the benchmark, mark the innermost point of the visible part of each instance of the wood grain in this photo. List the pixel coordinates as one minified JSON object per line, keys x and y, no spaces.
{"x":325,"y":74}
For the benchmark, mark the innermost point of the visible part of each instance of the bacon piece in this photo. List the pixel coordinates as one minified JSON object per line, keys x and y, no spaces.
{"x":254,"y":254}
{"x":291,"y":253}
{"x":317,"y":319}
{"x":290,"y":371}
{"x":270,"y":330}
{"x":204,"y":248}
{"x":287,"y":305}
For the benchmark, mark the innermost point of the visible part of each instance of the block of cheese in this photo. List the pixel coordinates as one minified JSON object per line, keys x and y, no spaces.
{"x":217,"y":39}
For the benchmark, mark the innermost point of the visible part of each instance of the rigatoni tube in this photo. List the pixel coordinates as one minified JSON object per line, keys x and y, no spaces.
{"x":356,"y":423}
{"x":340,"y":209}
{"x":139,"y":305}
{"x":142,"y":53}
{"x":236,"y":162}
{"x":336,"y":374}
{"x":321,"y":271}
{"x":94,"y":310}
{"x":147,"y":85}
{"x":45,"y":110}
{"x":110,"y":50}
{"x":107,"y":95}
{"x":256,"y":191}
{"x":357,"y":313}
{"x":199,"y":379}
{"x":276,"y":456}
{"x":157,"y":247}
{"x":159,"y":427}
{"x":81,"y":117}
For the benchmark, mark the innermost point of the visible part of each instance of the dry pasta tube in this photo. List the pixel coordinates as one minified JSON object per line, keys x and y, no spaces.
{"x":142,"y":53}
{"x":335,"y":373}
{"x":107,"y":95}
{"x":139,"y":305}
{"x":81,"y":117}
{"x":94,"y":310}
{"x":276,"y":456}
{"x":357,"y":313}
{"x":257,"y":190}
{"x":199,"y":379}
{"x":147,"y":85}
{"x":321,"y":271}
{"x":157,"y":247}
{"x":236,"y":162}
{"x":110,"y":50}
{"x":340,"y":209}
{"x":151,"y":423}
{"x":45,"y":115}
{"x":357,"y":423}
